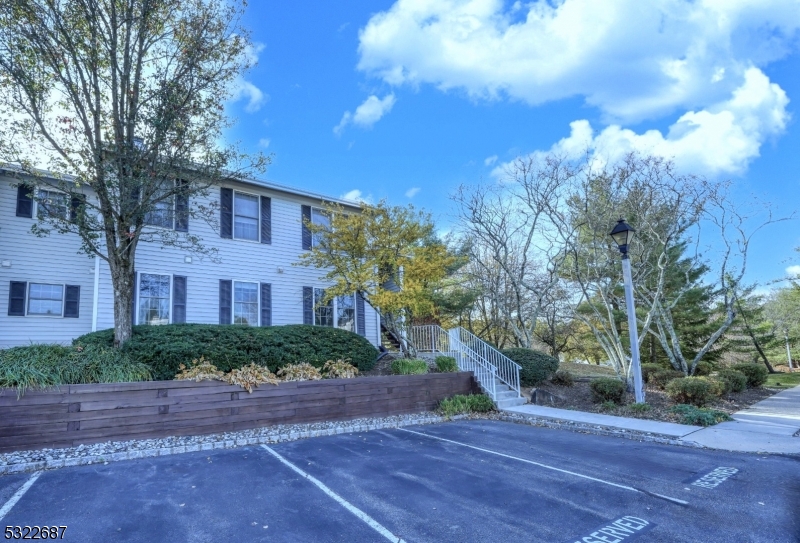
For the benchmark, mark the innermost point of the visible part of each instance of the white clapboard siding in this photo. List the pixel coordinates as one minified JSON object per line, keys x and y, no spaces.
{"x":237,"y":260}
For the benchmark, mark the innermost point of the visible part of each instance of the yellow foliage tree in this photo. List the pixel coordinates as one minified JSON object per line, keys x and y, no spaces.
{"x":388,"y":255}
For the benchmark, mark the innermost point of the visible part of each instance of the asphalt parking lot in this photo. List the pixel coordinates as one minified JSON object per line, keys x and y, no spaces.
{"x":460,"y":481}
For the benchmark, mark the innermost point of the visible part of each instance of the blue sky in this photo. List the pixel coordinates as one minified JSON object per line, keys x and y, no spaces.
{"x":405,"y":100}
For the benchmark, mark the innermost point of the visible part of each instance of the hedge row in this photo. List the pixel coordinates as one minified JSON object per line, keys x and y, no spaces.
{"x":164,"y":348}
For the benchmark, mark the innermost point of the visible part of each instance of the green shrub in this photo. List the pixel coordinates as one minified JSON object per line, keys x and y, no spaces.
{"x":660,"y":378}
{"x":650,"y":369}
{"x":562,"y":378}
{"x":699,"y":416}
{"x":406,"y":366}
{"x":639,"y":407}
{"x":474,"y":403}
{"x":607,"y":389}
{"x":693,"y":390}
{"x":536,"y":366}
{"x":40,"y":366}
{"x":446,"y":364}
{"x":608,"y":406}
{"x":756,"y":374}
{"x":734,"y":381}
{"x":164,"y":348}
{"x":703,"y":369}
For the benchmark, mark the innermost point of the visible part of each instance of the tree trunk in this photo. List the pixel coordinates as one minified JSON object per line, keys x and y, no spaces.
{"x":122,"y":280}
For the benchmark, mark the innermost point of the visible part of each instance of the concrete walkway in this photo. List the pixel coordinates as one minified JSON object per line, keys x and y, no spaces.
{"x":769,"y":426}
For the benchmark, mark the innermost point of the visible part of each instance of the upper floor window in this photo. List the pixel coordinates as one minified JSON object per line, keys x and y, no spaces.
{"x":322,"y":218}
{"x":162,"y":213}
{"x":53,"y":204}
{"x":171,"y":207}
{"x":245,"y":216}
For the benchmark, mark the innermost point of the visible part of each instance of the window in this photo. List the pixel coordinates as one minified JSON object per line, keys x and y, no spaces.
{"x":154,"y":298}
{"x":45,"y":299}
{"x":163,"y":212}
{"x":321,"y":217}
{"x":323,"y":313}
{"x":245,"y":303}
{"x":346,"y":312}
{"x":245,"y":216}
{"x":53,"y":204}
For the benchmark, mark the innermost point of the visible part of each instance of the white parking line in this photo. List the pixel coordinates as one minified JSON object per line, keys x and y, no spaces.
{"x":582,"y":476}
{"x":18,"y":494}
{"x":372,"y":523}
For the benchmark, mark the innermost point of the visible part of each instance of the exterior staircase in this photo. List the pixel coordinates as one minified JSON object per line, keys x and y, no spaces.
{"x":497,"y":375}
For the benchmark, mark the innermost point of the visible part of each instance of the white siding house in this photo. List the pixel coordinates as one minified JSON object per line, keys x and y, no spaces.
{"x":51,"y":293}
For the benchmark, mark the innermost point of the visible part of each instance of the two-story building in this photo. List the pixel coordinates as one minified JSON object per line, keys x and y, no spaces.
{"x":54,"y":294}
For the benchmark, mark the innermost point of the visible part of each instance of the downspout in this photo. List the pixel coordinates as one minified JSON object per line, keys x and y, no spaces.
{"x":96,"y":292}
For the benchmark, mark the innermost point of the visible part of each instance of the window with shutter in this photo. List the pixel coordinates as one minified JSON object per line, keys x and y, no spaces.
{"x":72,"y":301}
{"x":226,"y":213}
{"x":361,"y":328}
{"x":16,"y":298}
{"x":266,"y":219}
{"x":182,"y":207}
{"x":266,"y":304}
{"x":24,"y":201}
{"x":305,"y":218}
{"x":225,"y":309}
{"x":308,"y":305}
{"x":178,"y":299}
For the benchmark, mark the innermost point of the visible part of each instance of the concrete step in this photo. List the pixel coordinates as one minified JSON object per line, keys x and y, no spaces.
{"x":510,"y":402}
{"x":505,"y":394}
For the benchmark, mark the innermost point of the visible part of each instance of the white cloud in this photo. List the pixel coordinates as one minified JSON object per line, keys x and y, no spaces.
{"x":264,"y":142}
{"x":631,"y":59}
{"x":488,"y":161}
{"x":368,"y":113}
{"x":721,"y":139}
{"x":243,"y":89}
{"x":413,"y":191}
{"x":356,"y":195}
{"x":793,"y":271}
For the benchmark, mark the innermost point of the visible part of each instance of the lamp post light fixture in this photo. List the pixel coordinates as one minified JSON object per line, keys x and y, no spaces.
{"x":622,"y":235}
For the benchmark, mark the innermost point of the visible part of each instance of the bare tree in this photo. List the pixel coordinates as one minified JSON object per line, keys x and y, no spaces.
{"x":122,"y":100}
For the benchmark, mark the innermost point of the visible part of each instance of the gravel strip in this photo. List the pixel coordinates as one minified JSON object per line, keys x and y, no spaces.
{"x":111,"y":451}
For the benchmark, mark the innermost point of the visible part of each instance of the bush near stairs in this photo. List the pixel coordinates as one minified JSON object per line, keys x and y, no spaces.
{"x":537,"y":367}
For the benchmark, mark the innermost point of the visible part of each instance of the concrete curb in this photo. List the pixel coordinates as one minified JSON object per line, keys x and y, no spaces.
{"x":8,"y":469}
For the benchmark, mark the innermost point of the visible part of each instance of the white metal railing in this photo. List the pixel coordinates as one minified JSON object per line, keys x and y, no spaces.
{"x":471,"y":354}
{"x":507,"y":369}
{"x":429,"y":338}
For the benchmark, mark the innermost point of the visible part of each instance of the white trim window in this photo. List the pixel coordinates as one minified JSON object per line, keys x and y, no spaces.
{"x":162,"y":215}
{"x":53,"y":204}
{"x":339,"y":312}
{"x":320,"y":217}
{"x":246,"y":217}
{"x":154,"y":298}
{"x":45,"y":299}
{"x":346,"y":312}
{"x":245,"y":303}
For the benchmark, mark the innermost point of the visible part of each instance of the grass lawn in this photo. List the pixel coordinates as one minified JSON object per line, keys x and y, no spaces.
{"x":783,"y":380}
{"x":587,"y":370}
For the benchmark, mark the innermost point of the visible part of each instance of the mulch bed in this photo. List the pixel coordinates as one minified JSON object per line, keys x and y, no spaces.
{"x":579,"y":398}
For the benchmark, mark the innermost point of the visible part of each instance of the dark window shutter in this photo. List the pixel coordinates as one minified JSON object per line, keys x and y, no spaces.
{"x":225,"y":309}
{"x":226,"y":213}
{"x":24,"y":202}
{"x":306,"y":211}
{"x":266,"y":219}
{"x":182,"y":207}
{"x":16,"y":298}
{"x":178,"y":299}
{"x":134,"y":310}
{"x":72,"y":301}
{"x":361,"y":325}
{"x":308,"y":305}
{"x":75,"y":207}
{"x":266,"y":304}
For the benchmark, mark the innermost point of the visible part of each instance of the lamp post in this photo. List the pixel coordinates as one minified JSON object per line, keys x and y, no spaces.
{"x":622,"y":235}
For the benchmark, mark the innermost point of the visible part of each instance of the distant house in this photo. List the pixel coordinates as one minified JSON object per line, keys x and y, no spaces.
{"x":54,"y":294}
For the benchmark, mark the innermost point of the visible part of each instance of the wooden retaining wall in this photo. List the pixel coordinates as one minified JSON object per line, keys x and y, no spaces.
{"x":81,"y":414}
